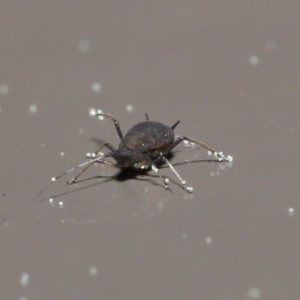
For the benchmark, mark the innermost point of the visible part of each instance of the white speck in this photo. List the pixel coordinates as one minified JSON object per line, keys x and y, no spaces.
{"x":53,"y":179}
{"x":99,"y":111}
{"x":185,"y":142}
{"x":209,"y":153}
{"x":80,"y":130}
{"x":253,"y":293}
{"x":229,"y":158}
{"x":189,"y":189}
{"x":93,"y":271}
{"x":96,"y":87}
{"x":129,"y":108}
{"x":208,"y":240}
{"x":3,"y":89}
{"x":62,"y":221}
{"x":184,"y":235}
{"x":62,"y":153}
{"x":160,"y":206}
{"x":154,"y":169}
{"x":291,"y":211}
{"x":167,"y":180}
{"x":92,"y":112}
{"x":254,"y":60}
{"x":24,"y":280}
{"x":84,"y":45}
{"x":61,"y":204}
{"x":51,"y":200}
{"x":33,"y":109}
{"x":270,"y":45}
{"x":183,"y":182}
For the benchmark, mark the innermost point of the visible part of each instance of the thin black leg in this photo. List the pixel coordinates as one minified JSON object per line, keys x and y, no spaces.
{"x":94,"y":154}
{"x":219,"y":155}
{"x":115,"y":122}
{"x":98,"y":160}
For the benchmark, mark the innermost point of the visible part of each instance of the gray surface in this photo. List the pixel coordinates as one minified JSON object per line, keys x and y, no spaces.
{"x":229,"y":70}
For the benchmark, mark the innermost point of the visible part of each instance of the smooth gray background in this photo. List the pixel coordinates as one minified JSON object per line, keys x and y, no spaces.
{"x":229,"y":70}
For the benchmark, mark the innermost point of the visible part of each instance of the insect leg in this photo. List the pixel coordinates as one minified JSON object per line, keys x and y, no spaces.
{"x":53,"y":179}
{"x":183,"y":182}
{"x":94,"y":154}
{"x":100,"y":113}
{"x":219,"y":155}
{"x":163,"y":178}
{"x":98,"y":160}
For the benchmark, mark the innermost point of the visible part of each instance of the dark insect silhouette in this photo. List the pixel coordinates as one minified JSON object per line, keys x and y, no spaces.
{"x":145,"y":146}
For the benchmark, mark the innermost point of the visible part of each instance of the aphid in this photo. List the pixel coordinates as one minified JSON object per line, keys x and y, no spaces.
{"x":145,"y":146}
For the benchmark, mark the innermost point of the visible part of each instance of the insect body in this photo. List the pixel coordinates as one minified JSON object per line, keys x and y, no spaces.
{"x":145,"y":146}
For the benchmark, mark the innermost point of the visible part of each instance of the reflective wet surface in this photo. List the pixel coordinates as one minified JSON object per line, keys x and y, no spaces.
{"x":230,"y":73}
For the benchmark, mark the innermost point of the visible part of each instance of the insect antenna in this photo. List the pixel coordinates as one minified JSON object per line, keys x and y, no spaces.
{"x":53,"y":179}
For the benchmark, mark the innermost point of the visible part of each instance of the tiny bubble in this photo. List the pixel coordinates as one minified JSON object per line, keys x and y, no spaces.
{"x":154,"y":169}
{"x":53,"y":179}
{"x":160,"y":206}
{"x":190,"y":189}
{"x":62,"y":154}
{"x":129,"y":108}
{"x":24,"y":280}
{"x":33,"y":109}
{"x":208,"y":240}
{"x":99,"y":111}
{"x":61,"y":204}
{"x":254,"y":60}
{"x":253,"y":293}
{"x":84,"y":45}
{"x":3,"y":89}
{"x":93,"y":271}
{"x":92,"y":111}
{"x":291,"y":211}
{"x":270,"y":45}
{"x":229,"y":158}
{"x":96,"y":87}
{"x":51,"y":200}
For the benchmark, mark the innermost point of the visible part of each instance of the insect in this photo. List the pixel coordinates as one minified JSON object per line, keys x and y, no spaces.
{"x":145,"y":146}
